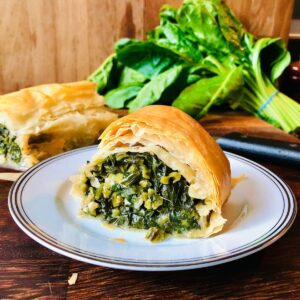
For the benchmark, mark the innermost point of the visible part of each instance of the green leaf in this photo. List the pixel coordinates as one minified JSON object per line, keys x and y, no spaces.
{"x":146,"y":57}
{"x":131,"y":77}
{"x":169,"y":35}
{"x":167,"y":13}
{"x":118,"y":97}
{"x":270,"y":56}
{"x":231,"y":28}
{"x":216,"y":29}
{"x":124,"y":42}
{"x":153,"y":90}
{"x":180,"y":83}
{"x":103,"y":74}
{"x":200,"y":96}
{"x":202,"y":70}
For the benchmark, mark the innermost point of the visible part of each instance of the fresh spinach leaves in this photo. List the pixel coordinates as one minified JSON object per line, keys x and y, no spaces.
{"x":221,"y":59}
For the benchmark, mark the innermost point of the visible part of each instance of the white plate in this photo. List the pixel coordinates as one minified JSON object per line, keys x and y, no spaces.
{"x":260,"y":210}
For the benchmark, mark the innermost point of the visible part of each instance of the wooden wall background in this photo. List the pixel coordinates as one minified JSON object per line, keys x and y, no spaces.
{"x":43,"y":41}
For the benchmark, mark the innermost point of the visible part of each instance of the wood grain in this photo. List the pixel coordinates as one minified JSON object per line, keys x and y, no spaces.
{"x":30,"y":271}
{"x":44,"y":41}
{"x":219,"y":124}
{"x":265,"y":18}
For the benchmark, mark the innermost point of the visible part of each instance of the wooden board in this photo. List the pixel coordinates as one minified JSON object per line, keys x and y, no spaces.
{"x":43,"y":41}
{"x":229,"y":122}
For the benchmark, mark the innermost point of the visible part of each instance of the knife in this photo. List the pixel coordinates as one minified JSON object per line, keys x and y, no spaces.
{"x":260,"y":148}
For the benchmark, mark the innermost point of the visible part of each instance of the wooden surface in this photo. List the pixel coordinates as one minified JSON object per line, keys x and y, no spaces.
{"x":265,"y":18}
{"x":30,"y":271}
{"x":62,"y":40}
{"x":43,"y":41}
{"x":219,"y":124}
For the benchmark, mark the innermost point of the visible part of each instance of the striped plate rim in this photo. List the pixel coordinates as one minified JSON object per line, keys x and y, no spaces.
{"x":28,"y":226}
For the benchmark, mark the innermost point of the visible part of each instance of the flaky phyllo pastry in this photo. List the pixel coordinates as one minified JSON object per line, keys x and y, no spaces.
{"x":157,"y":169}
{"x":45,"y":120}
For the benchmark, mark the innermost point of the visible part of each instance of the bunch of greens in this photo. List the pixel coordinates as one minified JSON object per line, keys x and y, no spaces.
{"x":198,"y":57}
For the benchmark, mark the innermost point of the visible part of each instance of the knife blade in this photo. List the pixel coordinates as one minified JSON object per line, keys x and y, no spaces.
{"x":261,"y":148}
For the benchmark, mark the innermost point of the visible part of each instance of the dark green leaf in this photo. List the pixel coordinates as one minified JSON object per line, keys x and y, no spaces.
{"x":147,"y":58}
{"x":199,"y":71}
{"x":200,"y":96}
{"x":167,"y":13}
{"x":102,"y":75}
{"x":169,"y":35}
{"x":180,"y":83}
{"x":153,"y":90}
{"x":269,"y":55}
{"x":173,"y":38}
{"x":214,"y":26}
{"x":118,"y":97}
{"x":124,"y":42}
{"x":131,"y":77}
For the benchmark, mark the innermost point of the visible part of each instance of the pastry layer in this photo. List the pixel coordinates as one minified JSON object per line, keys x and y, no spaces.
{"x":49,"y":119}
{"x":183,"y":146}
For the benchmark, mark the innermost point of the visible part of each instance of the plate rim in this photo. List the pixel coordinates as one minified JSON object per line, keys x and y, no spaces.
{"x":275,"y":233}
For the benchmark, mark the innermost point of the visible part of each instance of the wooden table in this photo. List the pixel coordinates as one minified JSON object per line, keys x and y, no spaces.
{"x":28,"y":270}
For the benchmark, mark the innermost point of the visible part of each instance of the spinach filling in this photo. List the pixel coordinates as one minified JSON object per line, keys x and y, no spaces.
{"x":8,"y":147}
{"x":138,"y":190}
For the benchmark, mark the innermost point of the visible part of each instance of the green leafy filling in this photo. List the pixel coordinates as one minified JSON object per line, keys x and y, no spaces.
{"x":138,"y":190}
{"x":8,"y":146}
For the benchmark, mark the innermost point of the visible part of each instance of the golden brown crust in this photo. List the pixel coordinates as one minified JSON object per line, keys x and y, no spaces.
{"x":183,"y":145}
{"x":34,"y":106}
{"x":200,"y":148}
{"x":52,"y":118}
